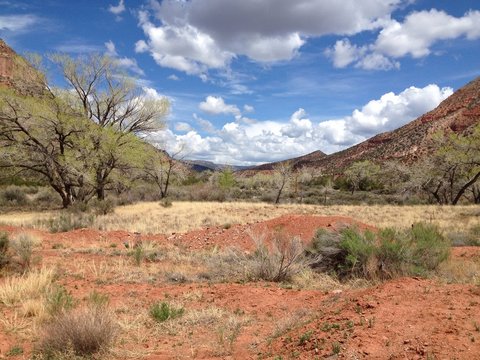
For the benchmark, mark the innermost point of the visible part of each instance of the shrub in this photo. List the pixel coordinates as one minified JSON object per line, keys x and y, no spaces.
{"x":84,"y":332}
{"x":385,"y":254}
{"x":4,"y":244}
{"x":166,"y":203}
{"x":59,"y":300}
{"x":103,"y":207}
{"x":14,"y":195}
{"x":278,"y":262}
{"x":47,"y":196}
{"x":22,"y":246}
{"x":69,"y":221}
{"x":164,"y":311}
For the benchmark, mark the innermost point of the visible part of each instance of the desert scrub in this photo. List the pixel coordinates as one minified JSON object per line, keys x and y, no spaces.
{"x":278,"y":262}
{"x":22,"y":247}
{"x":68,"y":221}
{"x":385,"y":254}
{"x":13,"y":195}
{"x":83,"y":332}
{"x":4,"y":245}
{"x":161,"y":312}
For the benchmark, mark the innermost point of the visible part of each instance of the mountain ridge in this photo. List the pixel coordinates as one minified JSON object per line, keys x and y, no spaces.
{"x":412,"y":141}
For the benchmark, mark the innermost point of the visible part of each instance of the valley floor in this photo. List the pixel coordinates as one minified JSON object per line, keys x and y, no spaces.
{"x":225,"y":317}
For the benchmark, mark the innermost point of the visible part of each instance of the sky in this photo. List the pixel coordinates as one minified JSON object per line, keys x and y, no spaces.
{"x":256,"y":81}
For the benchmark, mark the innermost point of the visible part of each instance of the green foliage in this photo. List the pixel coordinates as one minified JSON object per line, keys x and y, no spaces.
{"x":138,"y":255}
{"x":161,"y":312}
{"x":361,"y":175}
{"x":382,"y":255}
{"x":98,"y":299}
{"x":59,"y":300}
{"x":226,"y":179}
{"x":15,"y":351}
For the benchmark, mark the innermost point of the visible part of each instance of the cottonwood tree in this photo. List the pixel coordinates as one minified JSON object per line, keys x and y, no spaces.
{"x":111,"y":99}
{"x":160,"y":168}
{"x":43,"y":136}
{"x":453,"y":170}
{"x":360,"y":173}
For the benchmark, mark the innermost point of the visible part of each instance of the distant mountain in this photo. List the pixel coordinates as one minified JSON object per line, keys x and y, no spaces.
{"x":201,"y":165}
{"x":457,"y":113}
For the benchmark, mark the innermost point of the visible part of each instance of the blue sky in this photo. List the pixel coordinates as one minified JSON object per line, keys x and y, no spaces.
{"x":255,"y":81}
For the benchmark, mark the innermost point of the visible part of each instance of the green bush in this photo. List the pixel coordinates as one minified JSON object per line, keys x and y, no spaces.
{"x":59,"y":300}
{"x":382,"y":255}
{"x":164,"y":311}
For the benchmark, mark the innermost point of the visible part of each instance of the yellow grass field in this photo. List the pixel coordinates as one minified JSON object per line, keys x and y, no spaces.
{"x":151,"y":217}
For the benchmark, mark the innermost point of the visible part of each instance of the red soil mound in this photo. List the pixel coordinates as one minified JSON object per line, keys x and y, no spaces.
{"x":241,"y":236}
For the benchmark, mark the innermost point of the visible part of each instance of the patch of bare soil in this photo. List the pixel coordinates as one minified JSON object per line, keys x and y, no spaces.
{"x":401,"y":319}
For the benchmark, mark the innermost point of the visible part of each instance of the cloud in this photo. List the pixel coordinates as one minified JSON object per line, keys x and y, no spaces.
{"x":248,"y":108}
{"x":216,"y":105}
{"x":183,"y":48}
{"x":421,"y":30}
{"x":415,"y":37}
{"x":124,"y":62}
{"x":244,"y":143}
{"x":117,"y":9}
{"x":343,"y":53}
{"x":197,"y":35}
{"x":183,"y":127}
{"x":173,"y":77}
{"x":77,"y":46}
{"x":18,"y":23}
{"x":205,"y":125}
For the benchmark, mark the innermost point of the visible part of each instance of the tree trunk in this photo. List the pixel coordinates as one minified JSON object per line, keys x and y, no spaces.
{"x":465,"y":187}
{"x":277,"y":200}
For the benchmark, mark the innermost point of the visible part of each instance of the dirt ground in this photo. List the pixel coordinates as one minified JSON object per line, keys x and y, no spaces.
{"x":406,"y":318}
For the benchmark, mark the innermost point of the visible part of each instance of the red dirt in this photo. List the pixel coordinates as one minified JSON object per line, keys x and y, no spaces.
{"x":401,"y":319}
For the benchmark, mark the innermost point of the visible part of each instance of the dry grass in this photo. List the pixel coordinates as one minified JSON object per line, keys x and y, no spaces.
{"x":33,"y":285}
{"x":151,"y":217}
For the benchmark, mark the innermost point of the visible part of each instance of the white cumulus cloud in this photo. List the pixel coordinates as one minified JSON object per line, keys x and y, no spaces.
{"x":414,"y":37}
{"x":216,"y":105}
{"x":240,"y":142}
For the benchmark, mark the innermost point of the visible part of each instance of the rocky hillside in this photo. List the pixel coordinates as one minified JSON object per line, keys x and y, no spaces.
{"x":16,"y":72}
{"x":297,"y":162}
{"x":457,"y":113}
